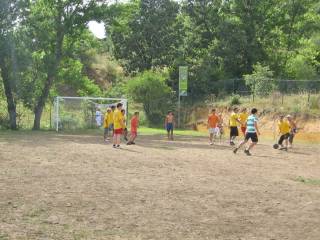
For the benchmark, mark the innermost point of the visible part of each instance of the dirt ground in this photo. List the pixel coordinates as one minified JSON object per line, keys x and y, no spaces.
{"x":60,"y":186}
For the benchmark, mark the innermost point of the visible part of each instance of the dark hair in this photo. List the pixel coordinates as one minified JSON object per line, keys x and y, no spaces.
{"x":235,"y":109}
{"x":122,"y":110}
{"x":136,"y":113}
{"x":254,"y":111}
{"x":213,"y":110}
{"x":169,"y":112}
{"x":119,"y":105}
{"x":113,"y":107}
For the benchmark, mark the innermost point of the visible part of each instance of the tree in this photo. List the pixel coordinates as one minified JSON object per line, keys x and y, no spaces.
{"x":145,"y":34}
{"x":50,"y":22}
{"x":10,"y":11}
{"x":150,"y":89}
{"x":261,"y":81}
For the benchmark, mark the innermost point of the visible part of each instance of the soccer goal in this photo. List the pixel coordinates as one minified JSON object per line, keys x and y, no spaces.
{"x":72,"y":113}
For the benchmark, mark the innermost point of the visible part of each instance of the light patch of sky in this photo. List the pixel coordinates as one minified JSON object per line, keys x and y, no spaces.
{"x":98,"y":29}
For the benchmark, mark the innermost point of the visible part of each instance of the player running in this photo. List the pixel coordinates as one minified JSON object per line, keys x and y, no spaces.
{"x":212,"y":124}
{"x":252,"y":132}
{"x":293,"y":130}
{"x":233,"y":125}
{"x":243,"y":116}
{"x":284,"y":132}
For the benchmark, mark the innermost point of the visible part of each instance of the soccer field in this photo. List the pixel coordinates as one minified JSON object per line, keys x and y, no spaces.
{"x":73,"y":186}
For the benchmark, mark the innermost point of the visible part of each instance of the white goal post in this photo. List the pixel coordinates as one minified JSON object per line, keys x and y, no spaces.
{"x":81,"y":112}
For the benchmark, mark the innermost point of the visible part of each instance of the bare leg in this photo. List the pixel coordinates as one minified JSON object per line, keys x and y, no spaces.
{"x":251,"y":146}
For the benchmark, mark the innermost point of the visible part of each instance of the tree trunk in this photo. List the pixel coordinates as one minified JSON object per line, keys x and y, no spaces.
{"x":51,"y":75}
{"x":9,"y":95}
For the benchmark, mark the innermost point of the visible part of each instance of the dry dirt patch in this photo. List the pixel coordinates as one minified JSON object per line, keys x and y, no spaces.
{"x":59,"y":186}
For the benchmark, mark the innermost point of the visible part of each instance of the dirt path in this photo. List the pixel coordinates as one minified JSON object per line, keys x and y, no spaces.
{"x":75,"y":187}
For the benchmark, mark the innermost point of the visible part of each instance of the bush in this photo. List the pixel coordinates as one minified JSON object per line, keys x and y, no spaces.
{"x":235,"y":100}
{"x":314,"y":102}
{"x":261,"y":81}
{"x":150,"y":89}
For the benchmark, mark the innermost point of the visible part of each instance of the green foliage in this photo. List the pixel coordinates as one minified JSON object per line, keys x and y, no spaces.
{"x":261,"y":81}
{"x":150,"y":89}
{"x":235,"y":100}
{"x":314,"y":102}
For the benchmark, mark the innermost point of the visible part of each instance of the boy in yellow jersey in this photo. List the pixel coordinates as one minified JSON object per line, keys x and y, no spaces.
{"x":284,"y":132}
{"x":106,"y":124}
{"x":118,"y":123}
{"x":125,"y":130}
{"x":243,"y":116}
{"x":233,"y":125}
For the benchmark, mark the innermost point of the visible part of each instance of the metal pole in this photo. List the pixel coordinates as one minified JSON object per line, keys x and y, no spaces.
{"x":179,"y":109}
{"x":57,"y":114}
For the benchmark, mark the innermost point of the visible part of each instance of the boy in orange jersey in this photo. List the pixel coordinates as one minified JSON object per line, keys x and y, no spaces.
{"x":134,"y":128}
{"x":212,"y":124}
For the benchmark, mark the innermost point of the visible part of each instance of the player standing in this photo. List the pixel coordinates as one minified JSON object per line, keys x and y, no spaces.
{"x":212,"y":124}
{"x":252,"y":132}
{"x":134,"y":128}
{"x":118,"y":121}
{"x":169,"y":124}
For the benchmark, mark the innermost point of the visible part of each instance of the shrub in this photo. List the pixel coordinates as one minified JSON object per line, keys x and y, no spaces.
{"x":261,"y":81}
{"x":235,"y":100}
{"x":314,"y":102}
{"x":150,"y":89}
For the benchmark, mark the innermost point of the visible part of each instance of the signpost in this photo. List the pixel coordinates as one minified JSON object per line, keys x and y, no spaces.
{"x":183,"y":87}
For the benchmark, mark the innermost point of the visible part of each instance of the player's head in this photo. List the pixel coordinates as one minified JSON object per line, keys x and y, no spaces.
{"x":119,"y":105}
{"x":113,"y":107}
{"x":235,"y":109}
{"x":170,"y":112}
{"x":136,"y":114}
{"x":289,"y":117}
{"x":254,"y":111}
{"x":281,"y":117}
{"x":123,"y":111}
{"x":243,"y":110}
{"x":213,"y":110}
{"x":108,"y":110}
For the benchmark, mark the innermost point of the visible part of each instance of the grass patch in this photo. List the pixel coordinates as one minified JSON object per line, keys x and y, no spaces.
{"x":158,"y":131}
{"x":309,"y":181}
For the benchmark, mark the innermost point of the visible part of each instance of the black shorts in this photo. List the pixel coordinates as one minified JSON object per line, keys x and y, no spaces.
{"x":252,"y":136}
{"x":234,"y":132}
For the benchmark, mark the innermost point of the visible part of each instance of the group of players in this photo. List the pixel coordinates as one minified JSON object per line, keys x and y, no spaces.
{"x":114,"y":124}
{"x":248,"y":124}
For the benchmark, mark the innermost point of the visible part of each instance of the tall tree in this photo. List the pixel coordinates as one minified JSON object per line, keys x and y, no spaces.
{"x":10,"y":15}
{"x":50,"y":22}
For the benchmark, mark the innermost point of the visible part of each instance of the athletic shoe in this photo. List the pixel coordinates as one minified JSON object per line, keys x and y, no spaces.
{"x":133,"y":143}
{"x":118,"y":146}
{"x":114,"y":146}
{"x":129,"y":143}
{"x":247,"y":152}
{"x":210,"y":143}
{"x":235,"y":150}
{"x":232,"y":143}
{"x":284,"y":148}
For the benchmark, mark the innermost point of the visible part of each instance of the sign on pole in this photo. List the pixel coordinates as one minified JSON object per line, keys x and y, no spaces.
{"x":183,"y":81}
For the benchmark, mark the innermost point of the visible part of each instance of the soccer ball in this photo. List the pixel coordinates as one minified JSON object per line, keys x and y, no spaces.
{"x":276,"y":146}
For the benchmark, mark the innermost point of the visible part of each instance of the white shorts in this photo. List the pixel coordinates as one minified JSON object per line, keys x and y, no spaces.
{"x":214,"y":131}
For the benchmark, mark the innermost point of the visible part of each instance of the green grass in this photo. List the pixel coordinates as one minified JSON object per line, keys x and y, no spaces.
{"x":309,"y":181}
{"x":158,"y":131}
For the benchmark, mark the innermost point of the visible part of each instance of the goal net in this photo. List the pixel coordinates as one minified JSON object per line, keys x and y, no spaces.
{"x":72,"y":113}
